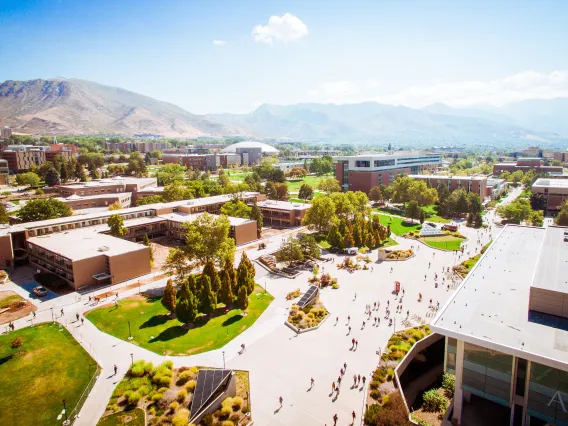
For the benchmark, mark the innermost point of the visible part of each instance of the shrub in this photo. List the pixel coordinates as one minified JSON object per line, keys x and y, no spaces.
{"x":375,"y":394}
{"x":385,"y":399}
{"x":162,"y":381}
{"x":190,"y":385}
{"x":144,"y":390}
{"x":235,"y":417}
{"x":335,"y":286}
{"x":113,"y":407}
{"x":152,"y":410}
{"x":245,"y":409}
{"x":434,"y":401}
{"x":237,"y":403}
{"x":140,"y":368}
{"x":134,"y":398}
{"x":182,"y":394}
{"x":449,"y":384}
{"x":157,"y":397}
{"x":226,"y":411}
{"x":17,"y":342}
{"x":174,"y":406}
{"x":207,"y":420}
{"x":184,"y":377}
{"x":227,"y":423}
{"x":181,"y":418}
{"x":371,"y":413}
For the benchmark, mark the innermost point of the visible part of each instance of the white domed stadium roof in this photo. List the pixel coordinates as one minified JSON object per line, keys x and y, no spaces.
{"x":266,"y":149}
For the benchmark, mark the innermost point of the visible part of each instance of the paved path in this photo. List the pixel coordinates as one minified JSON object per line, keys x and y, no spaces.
{"x":281,"y":363}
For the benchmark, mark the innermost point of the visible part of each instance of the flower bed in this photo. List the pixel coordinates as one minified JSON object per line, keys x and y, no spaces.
{"x":293,"y":294}
{"x":309,"y":317}
{"x":165,"y":394}
{"x":399,"y":254}
{"x":322,"y":281}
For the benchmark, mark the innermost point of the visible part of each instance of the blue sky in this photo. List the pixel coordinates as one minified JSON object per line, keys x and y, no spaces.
{"x":401,"y":52}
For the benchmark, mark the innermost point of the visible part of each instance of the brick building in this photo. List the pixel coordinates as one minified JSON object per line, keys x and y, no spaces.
{"x":475,"y":184}
{"x":362,"y":172}
{"x":5,"y":132}
{"x":526,"y":164}
{"x":110,"y":186}
{"x":554,"y":193}
{"x":102,"y":201}
{"x":282,"y":214}
{"x":142,"y":147}
{"x":194,"y":161}
{"x":22,"y":161}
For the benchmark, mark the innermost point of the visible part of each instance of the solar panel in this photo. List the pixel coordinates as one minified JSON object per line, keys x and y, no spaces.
{"x":208,"y":381}
{"x":308,"y":296}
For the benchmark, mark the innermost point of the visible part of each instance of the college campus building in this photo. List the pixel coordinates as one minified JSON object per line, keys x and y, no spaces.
{"x":22,"y":158}
{"x":5,"y":132}
{"x":495,"y":187}
{"x":4,"y":171}
{"x":93,"y":190}
{"x":475,"y":184}
{"x":506,"y":331}
{"x":553,"y":191}
{"x":142,"y":147}
{"x":203,"y":161}
{"x":362,"y":172}
{"x":550,"y":154}
{"x":526,"y":164}
{"x":282,"y":214}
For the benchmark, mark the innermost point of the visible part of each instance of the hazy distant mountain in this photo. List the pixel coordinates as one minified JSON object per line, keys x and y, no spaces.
{"x":70,"y":106}
{"x":370,"y":121}
{"x":549,"y":115}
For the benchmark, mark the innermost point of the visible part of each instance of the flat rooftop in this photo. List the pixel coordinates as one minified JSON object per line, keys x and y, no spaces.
{"x":187,"y":217}
{"x":118,"y":180}
{"x":394,"y":154}
{"x":444,"y":177}
{"x":490,"y":308}
{"x":283,"y":205}
{"x":552,"y":268}
{"x":551,"y":183}
{"x":84,"y":244}
{"x":76,"y":197}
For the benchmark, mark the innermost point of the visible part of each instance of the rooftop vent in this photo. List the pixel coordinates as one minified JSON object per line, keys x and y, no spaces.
{"x":103,"y":248}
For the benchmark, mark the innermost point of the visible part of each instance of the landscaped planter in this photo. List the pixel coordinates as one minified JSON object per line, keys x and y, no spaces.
{"x":301,"y":325}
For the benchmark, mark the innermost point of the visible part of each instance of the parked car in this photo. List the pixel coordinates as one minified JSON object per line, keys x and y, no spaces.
{"x":452,"y":228}
{"x":351,"y":251}
{"x":40,"y":291}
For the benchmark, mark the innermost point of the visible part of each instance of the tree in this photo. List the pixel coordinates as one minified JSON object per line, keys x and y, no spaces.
{"x":270,"y":191}
{"x":116,"y":225}
{"x":516,"y":177}
{"x":537,"y":201}
{"x":176,"y":192}
{"x":43,"y":209}
{"x":562,"y":217}
{"x":52,"y":177}
{"x":232,"y":273}
{"x":400,"y":188}
{"x":321,"y":166}
{"x":63,"y":171}
{"x":516,"y":212}
{"x":443,"y":195}
{"x":4,"y":217}
{"x":207,"y":299}
{"x":236,"y":208}
{"x":115,"y":206}
{"x":320,"y":215}
{"x":344,"y":208}
{"x":169,"y":297}
{"x":536,"y":218}
{"x":329,"y":185}
{"x":375,"y":194}
{"x":413,"y":210}
{"x":226,"y":294}
{"x":334,"y":238}
{"x":242,"y":298}
{"x":348,"y":240}
{"x":419,"y":192}
{"x":458,"y":202}
{"x":281,"y":191}
{"x":207,"y":237}
{"x":256,"y":214}
{"x":136,"y":165}
{"x":359,"y":201}
{"x":28,"y":179}
{"x":169,"y":173}
{"x":149,"y":245}
{"x":245,"y":261}
{"x":309,"y":246}
{"x":245,"y":278}
{"x":306,"y":192}
{"x":150,"y":199}
{"x":475,"y":205}
{"x":254,"y":182}
{"x":186,"y":306}
{"x":290,"y":251}
{"x":422,"y":217}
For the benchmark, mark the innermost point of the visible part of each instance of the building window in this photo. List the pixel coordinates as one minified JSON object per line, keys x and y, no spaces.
{"x":548,"y":394}
{"x":362,"y":163}
{"x":451,"y":350}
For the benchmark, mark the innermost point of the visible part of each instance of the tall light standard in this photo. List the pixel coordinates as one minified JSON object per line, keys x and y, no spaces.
{"x":52,"y":317}
{"x":223,"y":360}
{"x":129,"y":332}
{"x":132,"y":358}
{"x":66,"y":422}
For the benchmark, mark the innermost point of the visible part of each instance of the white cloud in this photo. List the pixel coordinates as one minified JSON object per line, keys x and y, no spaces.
{"x":283,"y":29}
{"x":512,"y":88}
{"x":219,"y":42}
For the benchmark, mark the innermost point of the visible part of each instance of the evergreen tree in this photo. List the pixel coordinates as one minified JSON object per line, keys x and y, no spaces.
{"x":192,"y":284}
{"x":334,"y":238}
{"x":208,"y":301}
{"x":226,"y":294}
{"x":52,"y":177}
{"x":306,"y":168}
{"x":422,"y":216}
{"x":232,"y":274}
{"x":369,"y":240}
{"x":147,"y":244}
{"x":169,"y":297}
{"x":63,"y":172}
{"x":348,"y":239}
{"x":247,"y":263}
{"x":256,"y":214}
{"x":186,"y":307}
{"x":243,"y":277}
{"x":357,"y":235}
{"x":242,"y":299}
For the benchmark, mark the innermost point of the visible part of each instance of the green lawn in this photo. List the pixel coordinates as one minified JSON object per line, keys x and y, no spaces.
{"x":7,"y":298}
{"x":313,"y":181}
{"x":238,"y":176}
{"x":154,"y":330}
{"x":134,"y":417}
{"x":49,"y":367}
{"x":447,"y":242}
{"x":389,"y":242}
{"x":396,"y":224}
{"x":438,"y":219}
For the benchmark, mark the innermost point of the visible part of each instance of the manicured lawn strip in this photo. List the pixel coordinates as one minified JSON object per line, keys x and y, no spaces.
{"x":49,"y":367}
{"x":239,"y":176}
{"x":396,"y":224}
{"x":7,"y":299}
{"x":438,"y":219}
{"x":313,"y":181}
{"x":447,"y":242}
{"x":134,"y":417}
{"x":154,"y":330}
{"x":389,"y":242}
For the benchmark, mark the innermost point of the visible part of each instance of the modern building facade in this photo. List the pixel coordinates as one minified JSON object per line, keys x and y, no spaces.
{"x":4,"y":171}
{"x":78,"y":202}
{"x":553,"y":191}
{"x":113,"y":185}
{"x":495,"y":187}
{"x":506,"y":330}
{"x":142,"y":147}
{"x":526,"y":164}
{"x":362,"y":172}
{"x":282,"y":214}
{"x":23,"y":160}
{"x":475,"y":184}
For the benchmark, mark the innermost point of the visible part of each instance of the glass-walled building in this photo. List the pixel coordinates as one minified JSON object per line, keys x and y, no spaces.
{"x":511,"y":360}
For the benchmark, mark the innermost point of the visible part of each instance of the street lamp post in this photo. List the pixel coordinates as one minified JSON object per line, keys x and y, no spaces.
{"x":223,"y":360}
{"x":129,"y":332}
{"x":65,"y":412}
{"x":52,"y":316}
{"x":132,"y":358}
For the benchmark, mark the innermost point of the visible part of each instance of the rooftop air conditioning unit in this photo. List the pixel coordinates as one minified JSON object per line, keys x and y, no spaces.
{"x":103,"y":248}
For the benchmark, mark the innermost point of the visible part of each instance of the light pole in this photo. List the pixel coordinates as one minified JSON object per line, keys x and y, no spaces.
{"x":129,"y":332}
{"x":132,"y":358}
{"x":223,"y":360}
{"x":52,"y":317}
{"x":65,"y":412}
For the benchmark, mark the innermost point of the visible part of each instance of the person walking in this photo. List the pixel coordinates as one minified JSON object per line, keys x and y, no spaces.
{"x":61,"y":311}
{"x":333,"y":387}
{"x":281,"y":401}
{"x":34,"y":314}
{"x":334,"y":419}
{"x":353,"y":415}
{"x":82,"y":321}
{"x":77,"y":316}
{"x":312,"y":381}
{"x":364,"y":379}
{"x":115,"y":369}
{"x":358,"y":378}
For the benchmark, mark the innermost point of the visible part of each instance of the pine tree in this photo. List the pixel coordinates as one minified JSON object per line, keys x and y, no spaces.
{"x":147,"y":244}
{"x":226,"y":294}
{"x":52,"y":177}
{"x":357,"y":235}
{"x":348,"y":239}
{"x":334,"y":238}
{"x":256,"y":214}
{"x":207,"y":299}
{"x":192,"y":284}
{"x":169,"y":297}
{"x":232,"y":274}
{"x":248,"y":264}
{"x":369,"y":241}
{"x":242,"y":299}
{"x":186,"y":307}
{"x":63,"y":172}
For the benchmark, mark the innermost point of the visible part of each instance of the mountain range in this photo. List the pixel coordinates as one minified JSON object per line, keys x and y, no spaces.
{"x":72,"y":106}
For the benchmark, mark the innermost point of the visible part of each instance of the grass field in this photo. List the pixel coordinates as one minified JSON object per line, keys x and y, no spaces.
{"x":238,"y":176}
{"x":154,"y":330}
{"x":446,"y":242}
{"x":313,"y":181}
{"x":134,"y":417}
{"x":35,"y":378}
{"x":397,"y":225}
